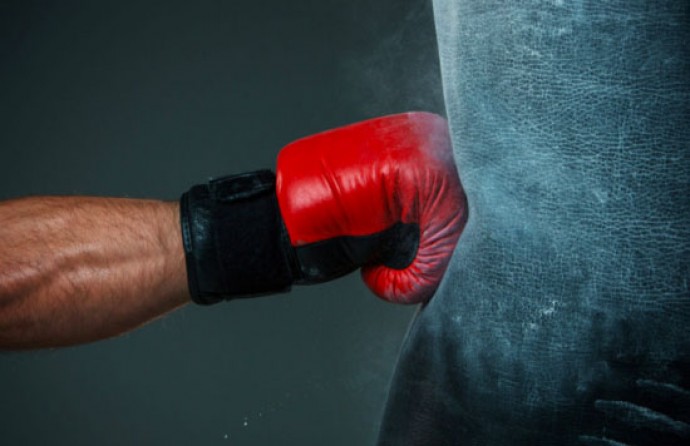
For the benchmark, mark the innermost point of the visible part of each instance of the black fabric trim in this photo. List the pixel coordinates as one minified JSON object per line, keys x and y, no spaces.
{"x":396,"y":247}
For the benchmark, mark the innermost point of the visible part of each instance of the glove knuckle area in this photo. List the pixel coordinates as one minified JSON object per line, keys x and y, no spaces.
{"x":365,"y":178}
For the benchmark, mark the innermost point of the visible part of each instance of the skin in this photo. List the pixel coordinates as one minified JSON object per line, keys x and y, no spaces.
{"x":80,"y":269}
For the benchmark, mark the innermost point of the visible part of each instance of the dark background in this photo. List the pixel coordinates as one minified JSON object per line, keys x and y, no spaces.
{"x":144,"y":99}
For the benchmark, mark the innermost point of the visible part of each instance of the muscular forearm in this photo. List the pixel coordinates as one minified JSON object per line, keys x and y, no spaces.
{"x":78,"y":269}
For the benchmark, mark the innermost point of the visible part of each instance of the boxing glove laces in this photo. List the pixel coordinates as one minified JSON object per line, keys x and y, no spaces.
{"x":382,"y":195}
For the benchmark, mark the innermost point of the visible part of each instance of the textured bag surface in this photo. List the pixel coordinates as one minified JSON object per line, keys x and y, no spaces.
{"x":564,"y":317}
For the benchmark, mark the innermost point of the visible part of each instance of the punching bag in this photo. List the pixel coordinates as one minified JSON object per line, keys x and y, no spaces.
{"x":564,"y":316}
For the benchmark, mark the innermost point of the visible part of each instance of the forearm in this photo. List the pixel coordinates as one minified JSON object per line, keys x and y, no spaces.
{"x":78,"y":269}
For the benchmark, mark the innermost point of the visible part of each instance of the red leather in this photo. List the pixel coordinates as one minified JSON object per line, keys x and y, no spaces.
{"x":363,"y":178}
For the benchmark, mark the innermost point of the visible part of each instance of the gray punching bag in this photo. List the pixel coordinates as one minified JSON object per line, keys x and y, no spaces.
{"x":564,"y":317}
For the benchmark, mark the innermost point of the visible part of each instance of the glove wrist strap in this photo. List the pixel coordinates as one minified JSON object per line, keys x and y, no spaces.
{"x":234,"y":238}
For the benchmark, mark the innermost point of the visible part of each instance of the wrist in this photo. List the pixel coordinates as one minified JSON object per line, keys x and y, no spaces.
{"x":234,"y":240}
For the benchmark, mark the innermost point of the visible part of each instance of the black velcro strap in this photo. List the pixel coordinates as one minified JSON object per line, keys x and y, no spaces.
{"x":234,"y":238}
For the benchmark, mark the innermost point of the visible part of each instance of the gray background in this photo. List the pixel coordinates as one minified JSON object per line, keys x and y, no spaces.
{"x":143,"y":99}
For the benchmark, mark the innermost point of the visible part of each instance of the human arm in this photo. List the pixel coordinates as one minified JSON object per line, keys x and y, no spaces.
{"x":79,"y":269}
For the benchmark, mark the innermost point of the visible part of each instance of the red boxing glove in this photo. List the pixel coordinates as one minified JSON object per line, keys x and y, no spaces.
{"x":383,"y":193}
